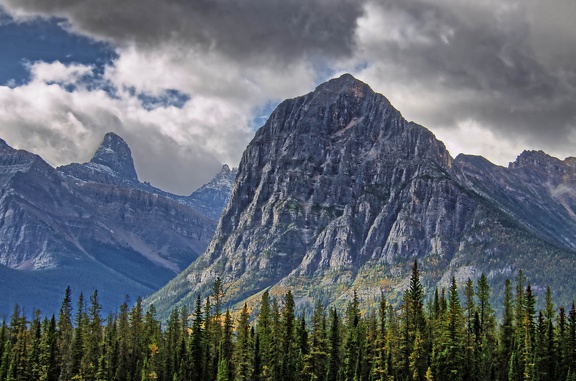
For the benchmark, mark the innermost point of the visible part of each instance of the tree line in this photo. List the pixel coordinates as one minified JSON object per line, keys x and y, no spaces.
{"x":453,"y":336}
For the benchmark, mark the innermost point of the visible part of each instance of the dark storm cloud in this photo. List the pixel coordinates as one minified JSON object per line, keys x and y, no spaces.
{"x":281,"y":29}
{"x":488,"y":61}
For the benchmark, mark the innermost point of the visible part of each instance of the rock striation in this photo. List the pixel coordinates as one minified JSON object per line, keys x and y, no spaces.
{"x":338,"y":191}
{"x":92,"y":226}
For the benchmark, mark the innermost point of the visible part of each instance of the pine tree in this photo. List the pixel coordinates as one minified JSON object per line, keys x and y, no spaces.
{"x":77,"y":350}
{"x":152,"y":338}
{"x":122,"y":360}
{"x":472,"y":332}
{"x":209,"y":349}
{"x":334,"y":341}
{"x":195,"y":371}
{"x":353,"y":339}
{"x":316,"y":361}
{"x":93,"y":338}
{"x":413,"y":321}
{"x":225,"y":366}
{"x":137,"y":347}
{"x":18,"y":368}
{"x":243,"y":350}
{"x":380,"y":369}
{"x":65,"y":333}
{"x":506,"y":332}
{"x":173,"y":336}
{"x":288,"y":344}
{"x":34,"y":367}
{"x":48,"y":359}
{"x":418,"y":359}
{"x":486,"y":336}
{"x":302,"y":347}
{"x":264,"y":333}
{"x":570,"y":355}
{"x":449,"y":354}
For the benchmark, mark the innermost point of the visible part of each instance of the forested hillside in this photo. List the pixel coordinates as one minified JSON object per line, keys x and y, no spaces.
{"x":452,"y":336}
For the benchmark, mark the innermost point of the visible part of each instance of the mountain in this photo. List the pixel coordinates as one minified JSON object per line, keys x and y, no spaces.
{"x":92,"y":226}
{"x":212,"y":197}
{"x":338,"y":191}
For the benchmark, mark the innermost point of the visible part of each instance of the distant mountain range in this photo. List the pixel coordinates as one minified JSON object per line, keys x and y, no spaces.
{"x":95,"y":226}
{"x":337,"y":191}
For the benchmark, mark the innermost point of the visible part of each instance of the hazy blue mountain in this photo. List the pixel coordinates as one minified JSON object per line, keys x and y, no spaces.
{"x":92,"y":226}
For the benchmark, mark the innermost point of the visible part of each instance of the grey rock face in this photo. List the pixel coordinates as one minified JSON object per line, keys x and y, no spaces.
{"x":212,"y":197}
{"x":91,"y":226}
{"x":336,"y":191}
{"x":115,"y":154}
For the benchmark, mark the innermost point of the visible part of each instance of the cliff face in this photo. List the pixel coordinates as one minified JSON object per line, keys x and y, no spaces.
{"x":337,"y":190}
{"x":91,"y":226}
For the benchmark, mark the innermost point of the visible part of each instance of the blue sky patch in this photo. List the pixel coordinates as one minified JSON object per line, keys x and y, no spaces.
{"x":44,"y":40}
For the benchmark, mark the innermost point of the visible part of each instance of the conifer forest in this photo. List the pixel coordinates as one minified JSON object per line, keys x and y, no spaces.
{"x":451,"y":335}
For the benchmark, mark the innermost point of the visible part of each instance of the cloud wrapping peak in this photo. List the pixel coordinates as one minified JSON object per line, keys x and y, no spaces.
{"x":487,"y":77}
{"x":448,"y":64}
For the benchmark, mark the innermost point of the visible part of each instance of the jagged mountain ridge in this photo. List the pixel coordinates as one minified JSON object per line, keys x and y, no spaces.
{"x":337,"y":190}
{"x":91,"y":225}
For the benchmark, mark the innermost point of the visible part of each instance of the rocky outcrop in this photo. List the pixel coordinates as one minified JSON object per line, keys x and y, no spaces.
{"x":213,"y":196}
{"x":337,"y":190}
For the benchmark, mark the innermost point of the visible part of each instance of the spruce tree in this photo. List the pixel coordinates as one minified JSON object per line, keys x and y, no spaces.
{"x":506,"y":332}
{"x":65,"y":334}
{"x":486,"y":336}
{"x":288,"y":344}
{"x":380,"y":369}
{"x":334,"y":341}
{"x":316,"y":362}
{"x":195,"y":370}
{"x":243,"y":350}
{"x":413,"y":320}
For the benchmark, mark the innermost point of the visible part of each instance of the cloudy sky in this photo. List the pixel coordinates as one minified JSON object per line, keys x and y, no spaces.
{"x":187,"y":82}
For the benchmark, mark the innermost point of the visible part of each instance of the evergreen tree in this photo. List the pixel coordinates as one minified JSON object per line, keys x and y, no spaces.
{"x":93,"y":338}
{"x":122,"y":360}
{"x":195,"y":371}
{"x":48,"y":358}
{"x":354,"y":339}
{"x":264,"y":334}
{"x":303,"y":348}
{"x":334,"y":341}
{"x":288,"y":344}
{"x":380,"y":368}
{"x":472,"y":332}
{"x":225,"y":366}
{"x":418,"y":359}
{"x":172,"y":340}
{"x":243,"y":350}
{"x":486,"y":335}
{"x":570,"y":354}
{"x":65,"y":334}
{"x":449,"y":355}
{"x":77,"y":350}
{"x":506,"y":332}
{"x":316,"y":362}
{"x":34,"y":368}
{"x":413,"y":320}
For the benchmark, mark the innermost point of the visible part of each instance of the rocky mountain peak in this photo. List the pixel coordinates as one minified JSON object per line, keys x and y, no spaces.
{"x":225,"y":171}
{"x":115,"y":154}
{"x":533,"y":158}
{"x":343,"y":84}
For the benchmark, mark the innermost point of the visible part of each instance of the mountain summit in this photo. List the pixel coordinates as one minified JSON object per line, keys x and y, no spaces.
{"x":115,"y":154}
{"x":338,"y":191}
